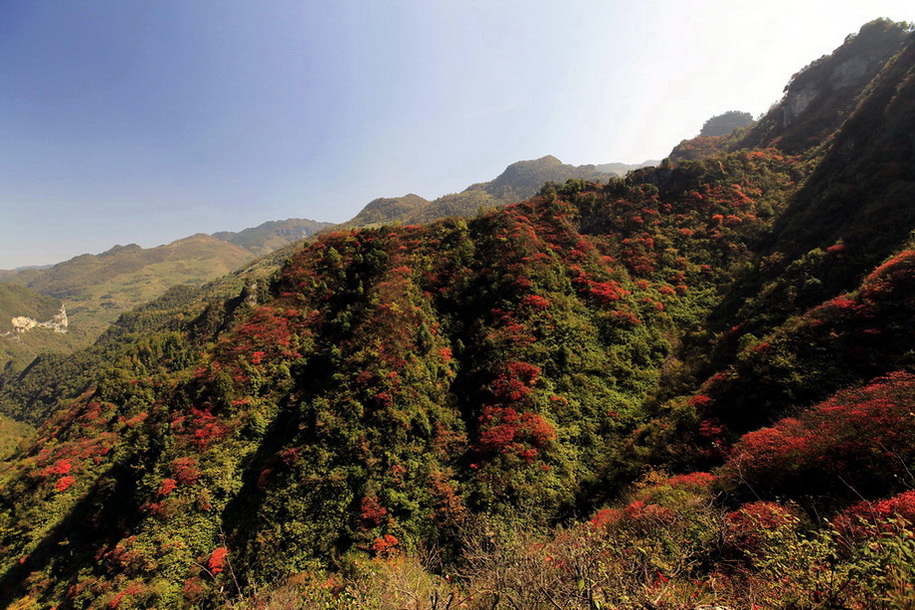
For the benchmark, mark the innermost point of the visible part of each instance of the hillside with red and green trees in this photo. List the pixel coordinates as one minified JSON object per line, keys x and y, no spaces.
{"x":690,"y":387}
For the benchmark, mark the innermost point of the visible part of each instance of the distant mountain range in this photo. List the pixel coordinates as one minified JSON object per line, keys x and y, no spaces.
{"x":519,"y":181}
{"x":269,"y":236}
{"x":689,"y":387}
{"x":97,"y":288}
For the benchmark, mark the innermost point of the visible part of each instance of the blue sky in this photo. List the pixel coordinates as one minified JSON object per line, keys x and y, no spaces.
{"x":145,"y":121}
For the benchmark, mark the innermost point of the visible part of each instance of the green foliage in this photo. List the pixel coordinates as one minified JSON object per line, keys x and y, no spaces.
{"x":12,"y":434}
{"x":97,"y":289}
{"x":724,"y":124}
{"x":416,"y":415}
{"x":643,"y":554}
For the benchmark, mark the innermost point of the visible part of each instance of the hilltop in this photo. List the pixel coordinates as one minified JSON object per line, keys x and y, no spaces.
{"x":270,"y":236}
{"x":519,"y":181}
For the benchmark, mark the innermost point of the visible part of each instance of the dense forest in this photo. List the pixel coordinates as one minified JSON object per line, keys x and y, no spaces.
{"x":97,"y":288}
{"x":688,"y":387}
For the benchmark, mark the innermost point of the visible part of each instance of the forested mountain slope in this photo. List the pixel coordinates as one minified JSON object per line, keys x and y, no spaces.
{"x":476,"y":387}
{"x":96,"y":289}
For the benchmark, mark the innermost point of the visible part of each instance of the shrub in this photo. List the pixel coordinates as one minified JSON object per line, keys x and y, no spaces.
{"x":858,"y":441}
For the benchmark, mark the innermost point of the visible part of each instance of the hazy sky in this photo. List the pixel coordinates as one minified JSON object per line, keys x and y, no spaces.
{"x":148,"y":120}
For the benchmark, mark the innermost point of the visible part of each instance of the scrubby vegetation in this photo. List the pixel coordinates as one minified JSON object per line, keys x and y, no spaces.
{"x":676,"y":389}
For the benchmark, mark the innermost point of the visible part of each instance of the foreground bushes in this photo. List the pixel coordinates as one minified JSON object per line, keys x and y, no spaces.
{"x":859,"y":442}
{"x":666,"y":545}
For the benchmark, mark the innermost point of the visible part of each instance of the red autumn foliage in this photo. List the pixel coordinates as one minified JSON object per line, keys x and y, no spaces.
{"x":185,"y":470}
{"x":606,"y":292}
{"x":503,"y":430}
{"x":202,"y":428}
{"x":861,"y":437}
{"x":132,"y":589}
{"x":606,"y":517}
{"x":627,"y":318}
{"x":880,"y":295}
{"x":217,"y":561}
{"x":869,"y":519}
{"x":535,"y":301}
{"x":748,"y":527}
{"x":384,"y":399}
{"x":192,"y":590}
{"x":372,"y":511}
{"x":450,"y":505}
{"x":61,"y":467}
{"x":693,"y":480}
{"x":136,"y":420}
{"x":700,"y":401}
{"x":64,"y":483}
{"x":166,"y":487}
{"x":265,"y":327}
{"x":712,"y":429}
{"x":637,"y":514}
{"x":266,"y":333}
{"x":645,"y":513}
{"x":385,"y":545}
{"x":516,"y":382}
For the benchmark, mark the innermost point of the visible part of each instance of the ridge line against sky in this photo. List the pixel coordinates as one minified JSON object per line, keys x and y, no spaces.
{"x":146,"y":122}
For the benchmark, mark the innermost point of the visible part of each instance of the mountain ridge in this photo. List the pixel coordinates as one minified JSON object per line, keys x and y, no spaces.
{"x":712,"y":357}
{"x":518,"y":181}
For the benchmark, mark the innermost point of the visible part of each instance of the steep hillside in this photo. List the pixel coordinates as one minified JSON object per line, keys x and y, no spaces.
{"x":853,"y":213}
{"x":463,"y":367}
{"x":826,"y":91}
{"x":827,"y":303}
{"x":817,"y":101}
{"x":711,"y":358}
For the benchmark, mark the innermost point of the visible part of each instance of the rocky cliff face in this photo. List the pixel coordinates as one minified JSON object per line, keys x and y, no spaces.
{"x":23,"y":324}
{"x":846,"y":75}
{"x":822,"y":95}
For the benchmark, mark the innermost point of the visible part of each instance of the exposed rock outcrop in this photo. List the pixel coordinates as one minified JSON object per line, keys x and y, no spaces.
{"x":23,"y":324}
